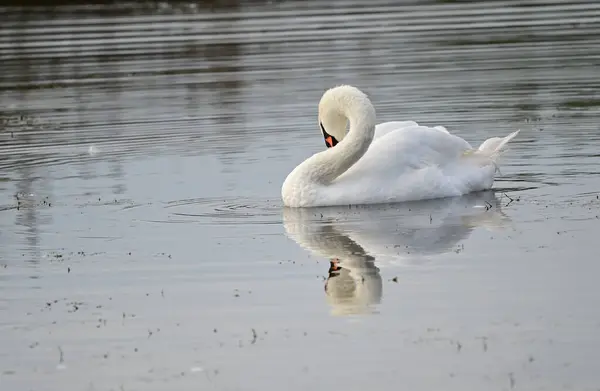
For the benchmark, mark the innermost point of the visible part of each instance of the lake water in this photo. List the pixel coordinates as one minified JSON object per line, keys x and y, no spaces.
{"x":143,"y":244}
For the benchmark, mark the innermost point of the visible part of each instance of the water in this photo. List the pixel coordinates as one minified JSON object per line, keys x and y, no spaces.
{"x":142,"y":240}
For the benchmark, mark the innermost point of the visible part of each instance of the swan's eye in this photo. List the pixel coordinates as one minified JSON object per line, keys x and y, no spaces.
{"x":330,"y":141}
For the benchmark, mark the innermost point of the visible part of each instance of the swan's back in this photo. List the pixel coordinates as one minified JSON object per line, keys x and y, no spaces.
{"x":392,"y":126}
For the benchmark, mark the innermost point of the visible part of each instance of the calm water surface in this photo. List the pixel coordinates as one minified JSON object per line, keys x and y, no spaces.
{"x":143,"y":245}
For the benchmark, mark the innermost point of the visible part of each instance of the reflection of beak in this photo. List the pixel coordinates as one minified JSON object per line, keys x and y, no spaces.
{"x":334,"y":270}
{"x":334,"y":265}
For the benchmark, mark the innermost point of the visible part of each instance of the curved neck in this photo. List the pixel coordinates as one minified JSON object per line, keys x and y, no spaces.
{"x":326,"y":166}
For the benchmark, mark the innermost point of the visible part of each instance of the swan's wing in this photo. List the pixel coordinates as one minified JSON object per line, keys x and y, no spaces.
{"x":410,"y":163}
{"x":408,"y":148}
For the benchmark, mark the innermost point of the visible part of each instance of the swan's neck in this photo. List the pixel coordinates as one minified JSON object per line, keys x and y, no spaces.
{"x":326,"y":166}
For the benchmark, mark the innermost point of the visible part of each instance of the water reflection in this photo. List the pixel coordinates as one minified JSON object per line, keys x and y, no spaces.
{"x":355,"y":239}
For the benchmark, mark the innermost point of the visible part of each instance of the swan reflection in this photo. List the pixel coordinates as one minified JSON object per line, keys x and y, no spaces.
{"x":354,"y":238}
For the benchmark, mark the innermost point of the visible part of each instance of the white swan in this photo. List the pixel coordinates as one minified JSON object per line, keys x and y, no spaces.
{"x":400,"y":161}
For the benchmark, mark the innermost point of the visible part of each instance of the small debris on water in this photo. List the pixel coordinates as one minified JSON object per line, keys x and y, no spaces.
{"x":93,"y":150}
{"x":61,"y":359}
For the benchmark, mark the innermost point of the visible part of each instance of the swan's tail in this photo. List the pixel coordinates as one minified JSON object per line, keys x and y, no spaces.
{"x":491,"y":148}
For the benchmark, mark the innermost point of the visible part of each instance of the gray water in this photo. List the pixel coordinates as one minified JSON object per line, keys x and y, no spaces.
{"x":143,"y":245}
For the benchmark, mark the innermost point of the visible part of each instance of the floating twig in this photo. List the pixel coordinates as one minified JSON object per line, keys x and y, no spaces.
{"x":511,"y":378}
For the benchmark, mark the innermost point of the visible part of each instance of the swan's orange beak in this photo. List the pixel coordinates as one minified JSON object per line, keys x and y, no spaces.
{"x":329,"y":141}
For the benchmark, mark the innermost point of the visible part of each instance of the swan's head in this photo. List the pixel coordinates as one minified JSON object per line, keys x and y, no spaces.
{"x":354,"y":289}
{"x":334,"y":110}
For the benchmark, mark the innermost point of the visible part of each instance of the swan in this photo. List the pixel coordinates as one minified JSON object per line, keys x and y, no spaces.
{"x":390,"y":162}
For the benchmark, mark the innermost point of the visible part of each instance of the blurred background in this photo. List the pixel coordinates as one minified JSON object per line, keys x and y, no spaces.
{"x":143,"y":146}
